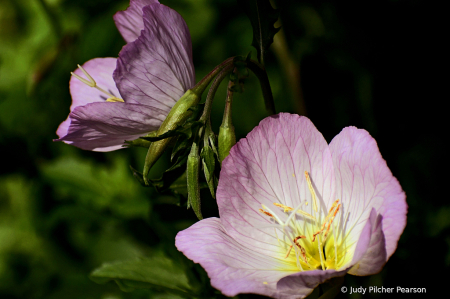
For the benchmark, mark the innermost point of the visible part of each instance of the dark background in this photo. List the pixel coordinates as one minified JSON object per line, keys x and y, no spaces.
{"x":64,"y":211}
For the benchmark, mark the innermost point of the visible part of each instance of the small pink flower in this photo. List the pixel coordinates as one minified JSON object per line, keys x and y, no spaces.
{"x":128,"y":97}
{"x":295,"y":211}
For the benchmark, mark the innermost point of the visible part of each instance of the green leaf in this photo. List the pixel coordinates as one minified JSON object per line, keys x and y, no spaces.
{"x":209,"y":163}
{"x":213,"y":142}
{"x":262,"y":17}
{"x":158,"y":273}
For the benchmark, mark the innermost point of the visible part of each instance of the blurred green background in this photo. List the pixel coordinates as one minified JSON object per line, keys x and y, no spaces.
{"x":65,"y":211}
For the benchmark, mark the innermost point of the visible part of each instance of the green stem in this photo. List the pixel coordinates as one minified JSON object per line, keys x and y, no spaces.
{"x":212,"y":91}
{"x":261,"y":74}
{"x":200,"y":87}
{"x":226,"y":121}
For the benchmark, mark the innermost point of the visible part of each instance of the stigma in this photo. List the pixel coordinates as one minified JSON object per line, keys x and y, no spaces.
{"x":91,"y":82}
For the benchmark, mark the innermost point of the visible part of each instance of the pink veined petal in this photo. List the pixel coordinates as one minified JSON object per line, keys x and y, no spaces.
{"x":130,"y":22}
{"x":157,"y":68}
{"x":105,"y":126}
{"x":374,"y":256}
{"x":101,"y":69}
{"x":363,"y":182}
{"x":232,"y":267}
{"x":268,"y":167}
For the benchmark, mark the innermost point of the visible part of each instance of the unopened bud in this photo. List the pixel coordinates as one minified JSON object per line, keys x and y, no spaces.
{"x":193,"y":186}
{"x":177,"y":116}
{"x":227,"y":139}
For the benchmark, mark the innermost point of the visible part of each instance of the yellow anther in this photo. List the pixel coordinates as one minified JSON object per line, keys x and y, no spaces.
{"x":264,"y":282}
{"x":114,"y":99}
{"x":288,"y":209}
{"x":311,"y":189}
{"x":293,"y":175}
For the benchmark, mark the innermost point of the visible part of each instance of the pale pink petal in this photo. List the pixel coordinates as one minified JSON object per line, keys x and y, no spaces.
{"x":130,"y":22}
{"x":301,"y":284}
{"x":268,"y":167}
{"x":101,"y":69}
{"x":374,"y":256}
{"x":232,"y":267}
{"x":363,"y":182}
{"x":106,"y":126}
{"x":157,"y":68}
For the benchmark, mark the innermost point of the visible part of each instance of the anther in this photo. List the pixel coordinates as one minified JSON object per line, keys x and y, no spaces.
{"x":289,"y":209}
{"x":311,"y":189}
{"x":302,"y":250}
{"x":266,"y":213}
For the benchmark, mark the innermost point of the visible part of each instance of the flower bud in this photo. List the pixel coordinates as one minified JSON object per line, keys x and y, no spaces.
{"x":227,"y":139}
{"x":193,"y":186}
{"x":177,"y":116}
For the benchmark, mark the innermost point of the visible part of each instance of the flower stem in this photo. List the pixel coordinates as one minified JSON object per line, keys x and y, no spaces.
{"x":261,"y":74}
{"x":212,"y":91}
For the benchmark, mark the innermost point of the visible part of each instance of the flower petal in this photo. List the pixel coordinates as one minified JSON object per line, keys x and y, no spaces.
{"x":363,"y":182}
{"x":232,"y":267}
{"x":101,"y":69}
{"x":105,"y":126}
{"x":301,"y":284}
{"x":374,"y":253}
{"x":130,"y":22}
{"x":157,"y":68}
{"x":268,"y":167}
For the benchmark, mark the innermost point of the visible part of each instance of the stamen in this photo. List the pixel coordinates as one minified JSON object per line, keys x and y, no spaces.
{"x":288,"y":209}
{"x":302,"y":250}
{"x":267,"y":213}
{"x":273,"y":214}
{"x":114,"y":99}
{"x":311,"y":189}
{"x":331,"y":220}
{"x":92,"y":83}
{"x":326,"y":222}
{"x":289,"y":251}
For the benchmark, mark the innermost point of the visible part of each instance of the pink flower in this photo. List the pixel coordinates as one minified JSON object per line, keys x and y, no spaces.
{"x":128,"y":97}
{"x":295,"y":211}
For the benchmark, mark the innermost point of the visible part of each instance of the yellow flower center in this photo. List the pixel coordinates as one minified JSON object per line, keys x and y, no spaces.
{"x":314,"y":241}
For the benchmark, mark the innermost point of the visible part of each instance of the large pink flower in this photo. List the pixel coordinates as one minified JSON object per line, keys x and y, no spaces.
{"x":131,"y":96}
{"x":295,"y":211}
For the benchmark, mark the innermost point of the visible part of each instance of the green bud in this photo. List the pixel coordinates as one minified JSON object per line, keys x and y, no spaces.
{"x":227,"y":139}
{"x":193,"y":186}
{"x":177,"y":116}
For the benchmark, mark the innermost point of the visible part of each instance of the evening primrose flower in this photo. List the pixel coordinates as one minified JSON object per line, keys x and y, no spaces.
{"x":114,"y":100}
{"x":295,"y":211}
